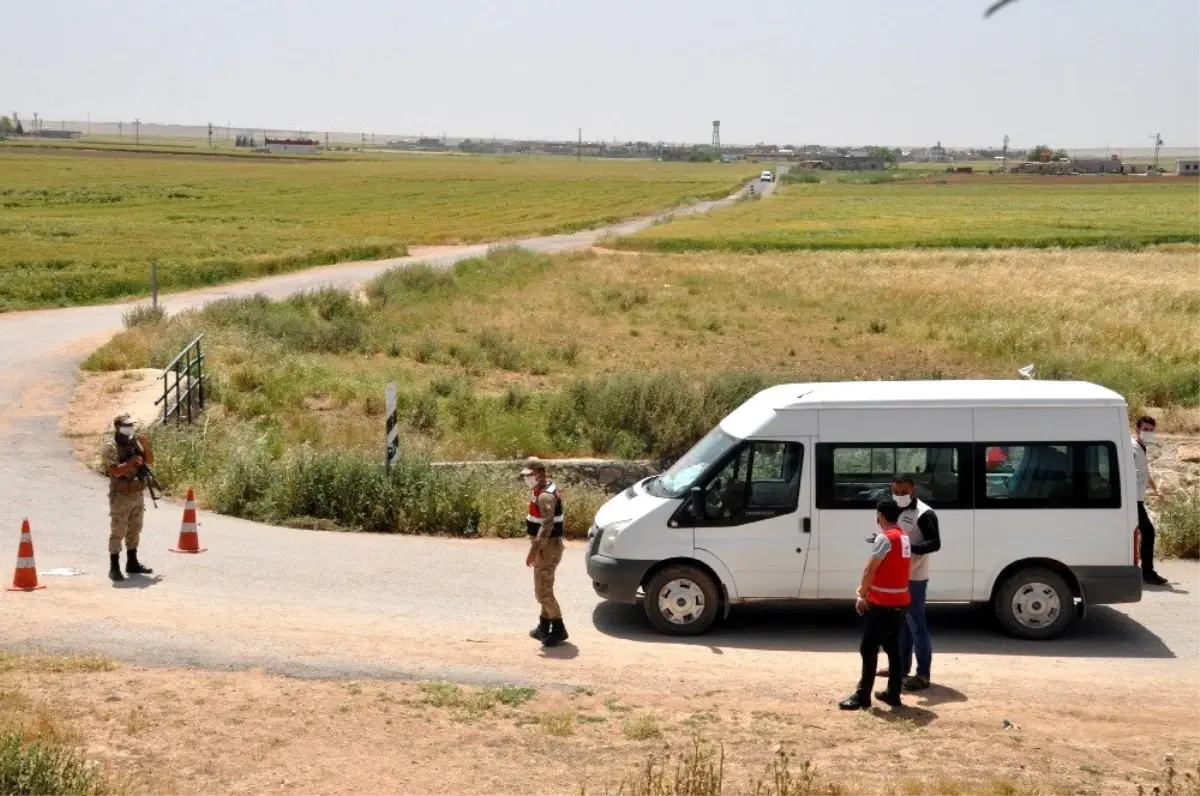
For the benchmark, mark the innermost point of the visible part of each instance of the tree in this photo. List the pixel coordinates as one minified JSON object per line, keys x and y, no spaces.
{"x":6,"y":126}
{"x":1040,"y":152}
{"x":20,"y":128}
{"x":883,"y":152}
{"x":1060,"y":154}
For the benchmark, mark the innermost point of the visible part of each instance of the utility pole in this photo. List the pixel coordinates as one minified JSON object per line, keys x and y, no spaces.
{"x":579,"y":147}
{"x":137,"y":132}
{"x":120,"y":129}
{"x":1158,"y":142}
{"x":1004,"y":154}
{"x":210,"y":135}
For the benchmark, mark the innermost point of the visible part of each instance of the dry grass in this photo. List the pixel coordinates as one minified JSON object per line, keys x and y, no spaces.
{"x":250,"y":732}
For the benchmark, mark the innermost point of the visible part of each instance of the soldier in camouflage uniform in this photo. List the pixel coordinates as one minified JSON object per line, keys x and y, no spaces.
{"x":544,"y":525}
{"x":124,"y":454}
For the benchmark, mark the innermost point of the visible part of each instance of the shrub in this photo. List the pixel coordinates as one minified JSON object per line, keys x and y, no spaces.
{"x":1179,"y":526}
{"x":35,"y":767}
{"x":143,"y":315}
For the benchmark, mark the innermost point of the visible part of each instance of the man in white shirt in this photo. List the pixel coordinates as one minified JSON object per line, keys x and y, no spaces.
{"x":1143,"y":435}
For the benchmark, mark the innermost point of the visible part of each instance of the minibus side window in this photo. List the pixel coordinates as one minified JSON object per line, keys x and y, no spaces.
{"x":760,"y":481}
{"x":1041,"y":475}
{"x":856,"y":476}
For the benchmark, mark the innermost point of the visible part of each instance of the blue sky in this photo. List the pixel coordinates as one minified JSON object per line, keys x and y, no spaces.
{"x":1070,"y":73}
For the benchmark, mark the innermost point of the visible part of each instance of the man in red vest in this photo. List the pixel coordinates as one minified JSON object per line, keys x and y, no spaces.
{"x":883,"y":597}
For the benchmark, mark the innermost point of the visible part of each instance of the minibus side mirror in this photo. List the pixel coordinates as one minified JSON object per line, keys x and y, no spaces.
{"x":696,"y":503}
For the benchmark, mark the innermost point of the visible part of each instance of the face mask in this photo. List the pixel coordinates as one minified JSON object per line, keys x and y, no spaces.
{"x":903,"y":501}
{"x":126,"y":431}
{"x":531,"y":481}
{"x":1148,"y":437}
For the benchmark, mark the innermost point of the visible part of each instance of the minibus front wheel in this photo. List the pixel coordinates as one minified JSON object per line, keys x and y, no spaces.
{"x":1034,"y":603}
{"x":682,"y":600}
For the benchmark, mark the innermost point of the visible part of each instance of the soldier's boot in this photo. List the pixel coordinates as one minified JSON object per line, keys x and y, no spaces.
{"x":134,"y":567}
{"x":542,"y":630}
{"x":557,"y":634}
{"x":114,"y":567}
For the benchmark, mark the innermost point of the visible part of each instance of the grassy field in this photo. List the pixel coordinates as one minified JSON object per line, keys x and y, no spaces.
{"x":80,"y":227}
{"x":893,"y":210}
{"x":657,"y":350}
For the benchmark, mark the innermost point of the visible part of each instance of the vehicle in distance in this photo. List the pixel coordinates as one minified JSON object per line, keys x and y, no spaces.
{"x":766,"y":176}
{"x":1032,"y":482}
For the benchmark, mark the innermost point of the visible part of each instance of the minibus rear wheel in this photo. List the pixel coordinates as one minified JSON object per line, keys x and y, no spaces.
{"x":1034,"y":603}
{"x":682,"y":601}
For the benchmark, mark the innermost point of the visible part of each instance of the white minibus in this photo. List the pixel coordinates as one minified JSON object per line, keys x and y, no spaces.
{"x":1032,"y":482}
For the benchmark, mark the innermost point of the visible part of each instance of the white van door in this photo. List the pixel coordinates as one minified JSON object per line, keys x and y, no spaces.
{"x":853,"y":477}
{"x":757,"y":510}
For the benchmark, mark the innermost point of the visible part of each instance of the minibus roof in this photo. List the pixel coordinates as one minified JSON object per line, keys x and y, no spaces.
{"x":758,"y":410}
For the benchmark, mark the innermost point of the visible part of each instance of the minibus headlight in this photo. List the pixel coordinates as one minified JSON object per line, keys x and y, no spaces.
{"x":609,"y":534}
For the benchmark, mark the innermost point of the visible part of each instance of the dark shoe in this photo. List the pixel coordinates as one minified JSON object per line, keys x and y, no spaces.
{"x":557,"y":634}
{"x":133,"y":567}
{"x":888,"y":699}
{"x":855,"y":702}
{"x":916,"y":683}
{"x":542,"y":630}
{"x":1154,"y":579}
{"x":114,"y":567}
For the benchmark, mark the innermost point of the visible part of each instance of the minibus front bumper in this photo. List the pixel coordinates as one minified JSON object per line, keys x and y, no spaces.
{"x":616,"y":579}
{"x":1109,"y":585}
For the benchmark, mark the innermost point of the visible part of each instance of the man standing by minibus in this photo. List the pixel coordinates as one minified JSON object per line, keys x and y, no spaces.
{"x":1144,"y":434}
{"x":920,"y":522}
{"x":882,"y":597}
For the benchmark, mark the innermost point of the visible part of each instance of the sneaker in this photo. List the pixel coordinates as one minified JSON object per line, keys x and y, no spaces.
{"x":888,"y":699}
{"x":916,"y":683}
{"x":854,"y":702}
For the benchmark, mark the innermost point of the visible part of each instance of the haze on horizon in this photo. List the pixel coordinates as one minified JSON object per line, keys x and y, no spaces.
{"x":1069,"y":73}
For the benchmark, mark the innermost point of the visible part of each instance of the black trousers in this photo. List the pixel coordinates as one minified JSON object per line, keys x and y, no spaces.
{"x":1147,"y":529}
{"x":882,"y":629}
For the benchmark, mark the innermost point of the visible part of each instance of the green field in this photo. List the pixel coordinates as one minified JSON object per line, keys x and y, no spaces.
{"x":970,"y":212}
{"x":78,"y":227}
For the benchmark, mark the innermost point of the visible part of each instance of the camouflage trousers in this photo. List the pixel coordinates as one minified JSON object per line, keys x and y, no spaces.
{"x":125,"y":512}
{"x":544,"y":564}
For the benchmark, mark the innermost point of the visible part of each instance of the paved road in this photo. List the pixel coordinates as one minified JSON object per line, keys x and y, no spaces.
{"x":312,"y":603}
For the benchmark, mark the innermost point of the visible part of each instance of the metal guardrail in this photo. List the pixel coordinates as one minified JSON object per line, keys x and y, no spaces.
{"x":187,"y":368}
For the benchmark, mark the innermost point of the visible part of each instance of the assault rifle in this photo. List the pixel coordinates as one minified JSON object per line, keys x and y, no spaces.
{"x":146,"y":475}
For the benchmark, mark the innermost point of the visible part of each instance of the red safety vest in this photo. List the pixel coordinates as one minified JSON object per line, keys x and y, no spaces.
{"x":889,"y":588}
{"x":533,"y":522}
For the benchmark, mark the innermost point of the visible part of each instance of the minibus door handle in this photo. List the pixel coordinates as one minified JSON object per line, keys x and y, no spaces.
{"x":806,"y":525}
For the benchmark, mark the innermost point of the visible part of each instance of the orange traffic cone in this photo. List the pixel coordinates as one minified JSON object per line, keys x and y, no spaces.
{"x":189,"y":537}
{"x":25,"y":578}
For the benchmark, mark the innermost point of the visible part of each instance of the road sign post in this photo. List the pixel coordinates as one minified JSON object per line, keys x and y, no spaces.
{"x":392,"y":437}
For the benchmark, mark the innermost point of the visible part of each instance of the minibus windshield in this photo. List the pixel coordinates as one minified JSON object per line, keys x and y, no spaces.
{"x":677,"y":480}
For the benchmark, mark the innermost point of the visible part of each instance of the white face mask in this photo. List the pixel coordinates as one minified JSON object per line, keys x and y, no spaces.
{"x":903,"y":501}
{"x":1148,"y":437}
{"x":531,"y":481}
{"x":126,"y":431}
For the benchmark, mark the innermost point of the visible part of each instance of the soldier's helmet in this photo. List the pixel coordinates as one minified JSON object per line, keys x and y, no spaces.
{"x":533,"y":465}
{"x":122,"y":419}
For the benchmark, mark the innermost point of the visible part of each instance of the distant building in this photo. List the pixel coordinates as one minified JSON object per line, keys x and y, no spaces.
{"x":292,"y":146}
{"x":733,"y":157}
{"x":845,"y":163}
{"x":934,"y":154}
{"x":63,"y":134}
{"x":1081,"y":166}
{"x":1188,"y":167}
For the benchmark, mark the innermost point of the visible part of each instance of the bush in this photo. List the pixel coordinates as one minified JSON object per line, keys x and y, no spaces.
{"x":1179,"y":526}
{"x":37,"y":768}
{"x":143,"y":315}
{"x":633,"y":415}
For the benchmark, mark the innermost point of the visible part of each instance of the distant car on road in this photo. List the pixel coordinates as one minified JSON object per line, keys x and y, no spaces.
{"x":767,"y":176}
